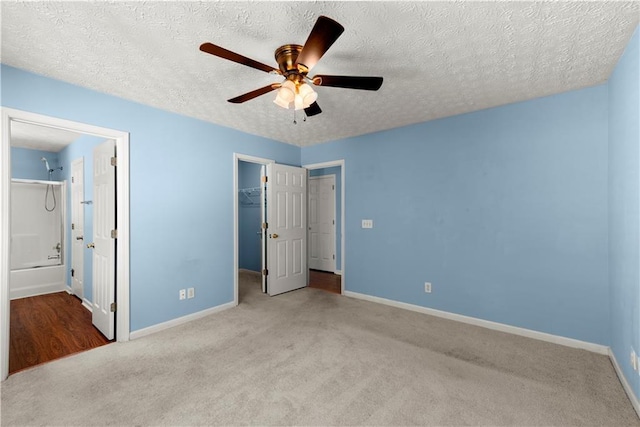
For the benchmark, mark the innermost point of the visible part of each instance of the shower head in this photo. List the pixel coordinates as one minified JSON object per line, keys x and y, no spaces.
{"x":46,"y":163}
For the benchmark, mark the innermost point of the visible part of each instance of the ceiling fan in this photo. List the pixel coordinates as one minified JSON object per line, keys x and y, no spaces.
{"x":294,"y":63}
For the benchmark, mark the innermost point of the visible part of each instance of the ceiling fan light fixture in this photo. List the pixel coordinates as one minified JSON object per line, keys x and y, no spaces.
{"x":307,"y":94}
{"x":286,"y":94}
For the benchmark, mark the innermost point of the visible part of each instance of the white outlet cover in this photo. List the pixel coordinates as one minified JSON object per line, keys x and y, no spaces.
{"x":191,"y":293}
{"x":367,"y":223}
{"x":634,"y":360}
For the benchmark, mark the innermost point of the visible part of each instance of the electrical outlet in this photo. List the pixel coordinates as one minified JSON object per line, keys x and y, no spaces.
{"x":183,"y":294}
{"x":191,"y":292}
{"x":427,"y":287}
{"x":634,"y":360}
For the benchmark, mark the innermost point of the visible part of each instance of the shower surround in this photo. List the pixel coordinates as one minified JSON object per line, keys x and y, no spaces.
{"x":37,"y":237}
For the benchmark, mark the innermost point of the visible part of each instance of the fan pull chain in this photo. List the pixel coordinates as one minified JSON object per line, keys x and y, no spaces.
{"x":295,"y":122}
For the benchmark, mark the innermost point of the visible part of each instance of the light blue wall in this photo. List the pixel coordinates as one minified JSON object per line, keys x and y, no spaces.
{"x":26,"y":164}
{"x":181,"y":199}
{"x":503,"y":210}
{"x":624,"y":207}
{"x":337,"y":171}
{"x":82,"y":147}
{"x":249,"y":220}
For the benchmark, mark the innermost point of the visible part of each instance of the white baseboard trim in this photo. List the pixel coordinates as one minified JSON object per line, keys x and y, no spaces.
{"x":179,"y":321}
{"x":87,"y":304}
{"x":69,"y":290}
{"x":625,"y":384}
{"x":542,"y":336}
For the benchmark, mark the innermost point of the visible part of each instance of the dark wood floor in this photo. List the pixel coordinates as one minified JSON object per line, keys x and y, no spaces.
{"x":324,"y":280}
{"x":48,"y":327}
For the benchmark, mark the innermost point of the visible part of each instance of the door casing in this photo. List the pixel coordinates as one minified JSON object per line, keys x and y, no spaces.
{"x":122,"y":202}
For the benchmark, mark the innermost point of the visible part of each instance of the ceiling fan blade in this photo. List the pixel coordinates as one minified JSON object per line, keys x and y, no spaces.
{"x":254,"y":94}
{"x":312,"y":110}
{"x":349,"y":82}
{"x":324,"y":33}
{"x":235,"y":57}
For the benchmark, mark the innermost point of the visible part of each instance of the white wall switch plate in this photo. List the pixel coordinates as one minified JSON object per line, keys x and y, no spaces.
{"x":183,"y":294}
{"x":367,"y":223}
{"x":191,"y":292}
{"x":427,"y":287}
{"x":634,"y":360}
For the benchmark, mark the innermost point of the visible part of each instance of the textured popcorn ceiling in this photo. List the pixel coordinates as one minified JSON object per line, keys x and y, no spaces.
{"x":437,"y":58}
{"x":36,"y":137}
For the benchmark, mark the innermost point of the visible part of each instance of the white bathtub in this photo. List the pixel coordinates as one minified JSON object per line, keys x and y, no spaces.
{"x":37,"y":281}
{"x":38,"y":238}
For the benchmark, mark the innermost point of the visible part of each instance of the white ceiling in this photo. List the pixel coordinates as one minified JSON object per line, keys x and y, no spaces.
{"x":437,"y":58}
{"x":36,"y":137}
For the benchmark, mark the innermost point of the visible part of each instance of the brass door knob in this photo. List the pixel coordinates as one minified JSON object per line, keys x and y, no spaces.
{"x":274,"y":235}
{"x":91,"y":245}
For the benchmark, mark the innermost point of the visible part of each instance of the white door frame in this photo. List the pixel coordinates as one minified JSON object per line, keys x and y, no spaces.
{"x":342,"y":209}
{"x":237,"y":157}
{"x":122,"y":200}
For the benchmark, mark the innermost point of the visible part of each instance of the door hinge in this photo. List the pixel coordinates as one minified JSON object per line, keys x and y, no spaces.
{"x":333,"y":187}
{"x":333,"y":221}
{"x":73,"y":180}
{"x":73,"y":226}
{"x":334,"y":256}
{"x":114,"y":234}
{"x":114,"y":161}
{"x":265,"y":225}
{"x":265,"y":179}
{"x":265,"y":272}
{"x":73,"y":272}
{"x":113,"y":307}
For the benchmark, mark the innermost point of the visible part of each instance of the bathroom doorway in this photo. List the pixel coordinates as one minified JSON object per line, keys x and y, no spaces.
{"x":17,"y":147}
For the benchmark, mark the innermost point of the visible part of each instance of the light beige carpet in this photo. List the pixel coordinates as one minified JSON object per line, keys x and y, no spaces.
{"x":315,"y":358}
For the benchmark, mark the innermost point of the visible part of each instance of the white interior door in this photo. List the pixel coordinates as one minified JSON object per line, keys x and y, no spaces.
{"x":263,"y":216}
{"x":287,"y":231}
{"x":104,"y":221}
{"x":322,"y":223}
{"x":77,"y":227}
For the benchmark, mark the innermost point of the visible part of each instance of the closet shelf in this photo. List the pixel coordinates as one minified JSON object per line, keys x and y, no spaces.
{"x":249,"y":196}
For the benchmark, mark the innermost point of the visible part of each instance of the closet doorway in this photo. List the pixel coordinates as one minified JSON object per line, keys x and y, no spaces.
{"x":248,"y":212}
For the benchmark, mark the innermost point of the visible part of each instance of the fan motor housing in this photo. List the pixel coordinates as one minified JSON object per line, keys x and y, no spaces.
{"x":286,"y":58}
